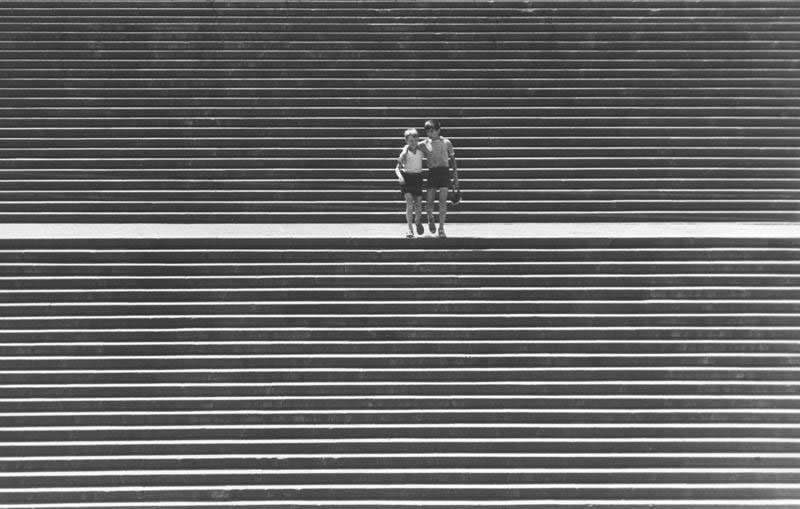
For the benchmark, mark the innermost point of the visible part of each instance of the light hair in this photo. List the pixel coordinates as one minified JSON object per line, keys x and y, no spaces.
{"x":411,"y":132}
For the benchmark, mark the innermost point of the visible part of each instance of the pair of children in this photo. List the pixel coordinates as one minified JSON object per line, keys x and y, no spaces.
{"x":440,"y":155}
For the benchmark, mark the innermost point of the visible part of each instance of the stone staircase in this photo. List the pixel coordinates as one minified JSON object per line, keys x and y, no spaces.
{"x":294,"y":111}
{"x":592,"y":372}
{"x":595,"y":371}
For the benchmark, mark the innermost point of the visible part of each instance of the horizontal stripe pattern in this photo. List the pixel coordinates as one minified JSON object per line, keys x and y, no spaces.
{"x":659,"y":409}
{"x":534,"y":94}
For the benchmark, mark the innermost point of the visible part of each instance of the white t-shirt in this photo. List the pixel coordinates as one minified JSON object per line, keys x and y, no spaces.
{"x":410,"y":162}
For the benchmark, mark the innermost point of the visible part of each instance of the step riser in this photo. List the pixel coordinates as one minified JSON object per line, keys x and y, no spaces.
{"x":391,"y":24}
{"x":14,"y":106}
{"x":547,"y":177}
{"x":686,"y":333}
{"x":645,"y":390}
{"x":752,"y":188}
{"x":649,"y":241}
{"x":567,"y":163}
{"x":453,"y":280}
{"x":375,"y":447}
{"x":548,"y":131}
{"x":401,"y":123}
{"x":564,"y":348}
{"x":389,"y":362}
{"x":256,"y":372}
{"x":408,"y":255}
{"x":560,"y":320}
{"x":15,"y":48}
{"x":359,"y":308}
{"x":391,"y":64}
{"x":372,"y":155}
{"x":475,"y":431}
{"x":411,"y":268}
{"x":325,"y":217}
{"x":21,"y":45}
{"x":390,"y":206}
{"x":553,"y":252}
{"x":331,"y":78}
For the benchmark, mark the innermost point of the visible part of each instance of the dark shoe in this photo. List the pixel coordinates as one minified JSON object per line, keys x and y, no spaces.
{"x":432,"y":227}
{"x":420,"y":229}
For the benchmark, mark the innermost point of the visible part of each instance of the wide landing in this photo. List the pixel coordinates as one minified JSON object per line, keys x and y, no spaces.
{"x":397,"y":230}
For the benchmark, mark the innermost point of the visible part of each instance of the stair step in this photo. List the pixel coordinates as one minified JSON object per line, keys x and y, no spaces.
{"x":379,"y":310}
{"x":214,"y":391}
{"x":289,"y":218}
{"x":574,"y":347}
{"x":404,"y":24}
{"x":503,"y":56}
{"x":378,"y":184}
{"x":20,"y":46}
{"x":515,"y":361}
{"x":512,"y":144}
{"x":501,"y":198}
{"x":403,"y":334}
{"x":178,"y":163}
{"x":369,"y":153}
{"x":689,"y":103}
{"x":270,"y":253}
{"x":410,"y":268}
{"x":491,"y":295}
{"x":529,"y":32}
{"x":496,"y":9}
{"x":419,"y":445}
{"x":400,"y":16}
{"x":366,"y":281}
{"x":729,"y":178}
{"x":344,"y":122}
{"x":86,"y":95}
{"x":373,"y":372}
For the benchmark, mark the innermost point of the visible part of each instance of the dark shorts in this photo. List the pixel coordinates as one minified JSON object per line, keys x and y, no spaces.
{"x":438,"y":177}
{"x":413,"y":184}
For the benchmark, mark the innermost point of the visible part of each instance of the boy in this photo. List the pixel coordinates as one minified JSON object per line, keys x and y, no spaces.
{"x":441,"y":157}
{"x":409,"y":175}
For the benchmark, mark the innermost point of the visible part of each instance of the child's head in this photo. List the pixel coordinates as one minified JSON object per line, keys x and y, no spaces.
{"x":432,"y":128}
{"x":412,"y":137}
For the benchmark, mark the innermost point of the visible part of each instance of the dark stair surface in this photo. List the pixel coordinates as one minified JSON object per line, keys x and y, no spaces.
{"x":369,"y":373}
{"x":294,"y":111}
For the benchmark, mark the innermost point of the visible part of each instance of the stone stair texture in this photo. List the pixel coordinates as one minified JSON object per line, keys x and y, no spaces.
{"x":282,"y":112}
{"x":366,"y":372}
{"x":599,"y":370}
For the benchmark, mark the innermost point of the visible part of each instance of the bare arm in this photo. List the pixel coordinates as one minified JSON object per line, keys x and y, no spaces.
{"x":453,"y":165}
{"x":423,"y":147}
{"x":401,"y":163}
{"x":455,"y":171}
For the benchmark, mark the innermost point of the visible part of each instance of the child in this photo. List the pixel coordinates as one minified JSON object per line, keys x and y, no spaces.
{"x":409,"y":174}
{"x":441,"y":157}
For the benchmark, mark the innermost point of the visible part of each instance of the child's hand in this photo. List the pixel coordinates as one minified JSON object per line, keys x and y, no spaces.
{"x":402,"y":181}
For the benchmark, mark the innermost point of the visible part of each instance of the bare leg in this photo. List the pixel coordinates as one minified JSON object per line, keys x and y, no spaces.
{"x":429,"y":209}
{"x":442,"y":206}
{"x":418,"y":210}
{"x":409,"y":210}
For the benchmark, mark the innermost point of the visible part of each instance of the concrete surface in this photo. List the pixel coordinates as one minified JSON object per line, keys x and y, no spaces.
{"x":397,"y":230}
